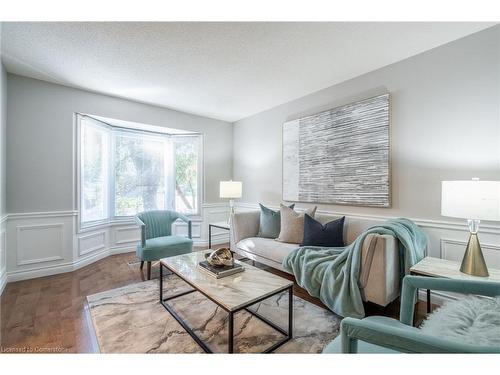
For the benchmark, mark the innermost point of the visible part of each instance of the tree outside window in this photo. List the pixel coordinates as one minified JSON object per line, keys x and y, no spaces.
{"x":136,"y":171}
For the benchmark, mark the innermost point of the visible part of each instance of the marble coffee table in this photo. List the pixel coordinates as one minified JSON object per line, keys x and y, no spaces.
{"x":232,"y":293}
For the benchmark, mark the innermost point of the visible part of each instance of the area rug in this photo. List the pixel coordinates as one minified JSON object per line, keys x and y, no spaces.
{"x":131,"y":320}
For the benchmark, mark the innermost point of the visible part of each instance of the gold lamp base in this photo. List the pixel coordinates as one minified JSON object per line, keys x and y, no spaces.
{"x":473,"y":262}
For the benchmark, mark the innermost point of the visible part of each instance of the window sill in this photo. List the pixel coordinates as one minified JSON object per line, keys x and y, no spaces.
{"x":122,"y":221}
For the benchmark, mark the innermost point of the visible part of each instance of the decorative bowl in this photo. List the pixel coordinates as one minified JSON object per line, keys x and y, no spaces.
{"x":220,"y":257}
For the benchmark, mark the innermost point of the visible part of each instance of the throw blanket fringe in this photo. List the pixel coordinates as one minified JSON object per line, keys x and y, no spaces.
{"x":332,"y":273}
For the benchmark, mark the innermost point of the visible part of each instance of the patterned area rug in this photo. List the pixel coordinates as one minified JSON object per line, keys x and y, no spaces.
{"x":131,"y":320}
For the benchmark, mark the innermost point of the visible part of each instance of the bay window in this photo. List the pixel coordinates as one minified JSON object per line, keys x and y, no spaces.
{"x":123,"y":171}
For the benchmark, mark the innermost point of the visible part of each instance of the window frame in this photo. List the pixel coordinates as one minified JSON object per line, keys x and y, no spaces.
{"x":112,"y":218}
{"x":200,"y":175}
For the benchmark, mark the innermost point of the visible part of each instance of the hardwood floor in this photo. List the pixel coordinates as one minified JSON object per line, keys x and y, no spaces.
{"x":48,"y":314}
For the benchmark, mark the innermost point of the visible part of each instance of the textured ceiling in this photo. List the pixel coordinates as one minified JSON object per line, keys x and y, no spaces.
{"x":226,"y":71}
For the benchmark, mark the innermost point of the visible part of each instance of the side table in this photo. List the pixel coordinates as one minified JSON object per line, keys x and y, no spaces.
{"x":220,"y":225}
{"x":436,"y":267}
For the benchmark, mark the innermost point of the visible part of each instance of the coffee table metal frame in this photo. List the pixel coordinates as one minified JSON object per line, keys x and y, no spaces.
{"x":288,"y":334}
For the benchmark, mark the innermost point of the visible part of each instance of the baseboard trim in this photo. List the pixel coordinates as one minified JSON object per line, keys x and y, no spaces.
{"x":33,"y":273}
{"x":437,"y":298}
{"x":3,"y":280}
{"x":66,"y":267}
{"x":114,"y":250}
{"x":214,"y":242}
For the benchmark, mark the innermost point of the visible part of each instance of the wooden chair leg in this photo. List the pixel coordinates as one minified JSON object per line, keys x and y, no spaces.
{"x":142,"y":264}
{"x":149,"y":270}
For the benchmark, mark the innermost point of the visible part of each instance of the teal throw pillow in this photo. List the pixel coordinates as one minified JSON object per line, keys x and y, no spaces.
{"x":270,"y":222}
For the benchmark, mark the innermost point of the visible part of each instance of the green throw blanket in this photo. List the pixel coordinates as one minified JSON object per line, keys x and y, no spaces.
{"x":332,"y":273}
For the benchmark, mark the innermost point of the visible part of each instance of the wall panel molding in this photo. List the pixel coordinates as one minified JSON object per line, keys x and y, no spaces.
{"x":46,"y":214}
{"x":93,"y":240}
{"x":425,"y":223}
{"x":127,"y":239}
{"x":181,"y":229}
{"x":452,"y":249}
{"x":64,"y":249}
{"x":40,"y":238}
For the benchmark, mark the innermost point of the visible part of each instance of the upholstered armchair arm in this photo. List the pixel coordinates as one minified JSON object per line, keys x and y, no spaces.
{"x":412,"y":283}
{"x":188,"y":221}
{"x":402,"y":339}
{"x":141,"y":224}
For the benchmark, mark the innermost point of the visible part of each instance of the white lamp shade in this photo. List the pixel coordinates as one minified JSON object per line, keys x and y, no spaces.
{"x":230,"y":189}
{"x":471,"y":199}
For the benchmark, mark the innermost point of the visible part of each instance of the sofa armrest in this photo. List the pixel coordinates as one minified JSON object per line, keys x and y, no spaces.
{"x":379,"y":271}
{"x":244,"y":225}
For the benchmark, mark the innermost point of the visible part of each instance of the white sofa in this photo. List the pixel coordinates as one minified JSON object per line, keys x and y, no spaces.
{"x":379,"y":276}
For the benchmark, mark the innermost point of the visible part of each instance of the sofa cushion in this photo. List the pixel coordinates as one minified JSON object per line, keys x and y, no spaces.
{"x":292,"y":224}
{"x":330,"y":234}
{"x":270,"y":222}
{"x":267,"y":248}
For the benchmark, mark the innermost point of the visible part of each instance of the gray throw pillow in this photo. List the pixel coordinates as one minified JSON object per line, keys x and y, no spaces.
{"x":270,"y":222}
{"x":292,"y":224}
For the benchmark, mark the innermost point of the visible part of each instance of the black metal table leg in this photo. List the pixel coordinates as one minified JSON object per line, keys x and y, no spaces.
{"x":429,"y":308}
{"x":190,"y":331}
{"x":209,"y":236}
{"x":230,"y":334}
{"x":290,"y":312}
{"x":161,"y":281}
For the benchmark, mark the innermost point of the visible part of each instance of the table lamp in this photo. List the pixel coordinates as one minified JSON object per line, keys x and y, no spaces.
{"x":473,"y":200}
{"x":230,"y":190}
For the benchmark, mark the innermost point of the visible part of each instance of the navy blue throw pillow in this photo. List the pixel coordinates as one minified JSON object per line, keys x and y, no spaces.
{"x":329,"y":235}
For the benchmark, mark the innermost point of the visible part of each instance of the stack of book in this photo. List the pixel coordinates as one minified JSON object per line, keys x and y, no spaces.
{"x":219,"y":272}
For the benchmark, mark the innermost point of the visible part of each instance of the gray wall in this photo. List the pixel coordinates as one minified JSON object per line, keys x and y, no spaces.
{"x":40,"y":141}
{"x":445,"y":125}
{"x":3,"y":123}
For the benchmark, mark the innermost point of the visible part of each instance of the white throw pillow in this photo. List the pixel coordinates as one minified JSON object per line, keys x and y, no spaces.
{"x":292,"y":224}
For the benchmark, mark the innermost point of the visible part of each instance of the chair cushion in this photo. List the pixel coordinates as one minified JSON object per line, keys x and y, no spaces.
{"x":162,"y":247}
{"x":267,"y":248}
{"x":470,"y":320}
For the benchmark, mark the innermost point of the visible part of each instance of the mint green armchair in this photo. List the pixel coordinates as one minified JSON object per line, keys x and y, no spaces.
{"x":377,"y":334}
{"x":157,"y":240}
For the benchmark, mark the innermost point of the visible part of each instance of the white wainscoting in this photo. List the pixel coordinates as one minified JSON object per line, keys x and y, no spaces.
{"x":39,"y":244}
{"x":92,"y":242}
{"x":447,"y":240}
{"x":3,"y":252}
{"x":454,"y":250}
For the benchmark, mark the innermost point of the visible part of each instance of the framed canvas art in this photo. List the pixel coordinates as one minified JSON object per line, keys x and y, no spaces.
{"x":340,"y":156}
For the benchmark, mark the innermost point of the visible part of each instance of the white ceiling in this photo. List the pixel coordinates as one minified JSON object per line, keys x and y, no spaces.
{"x":226,"y":71}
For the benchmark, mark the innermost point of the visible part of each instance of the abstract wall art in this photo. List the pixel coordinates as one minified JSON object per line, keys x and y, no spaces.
{"x":340,"y":156}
